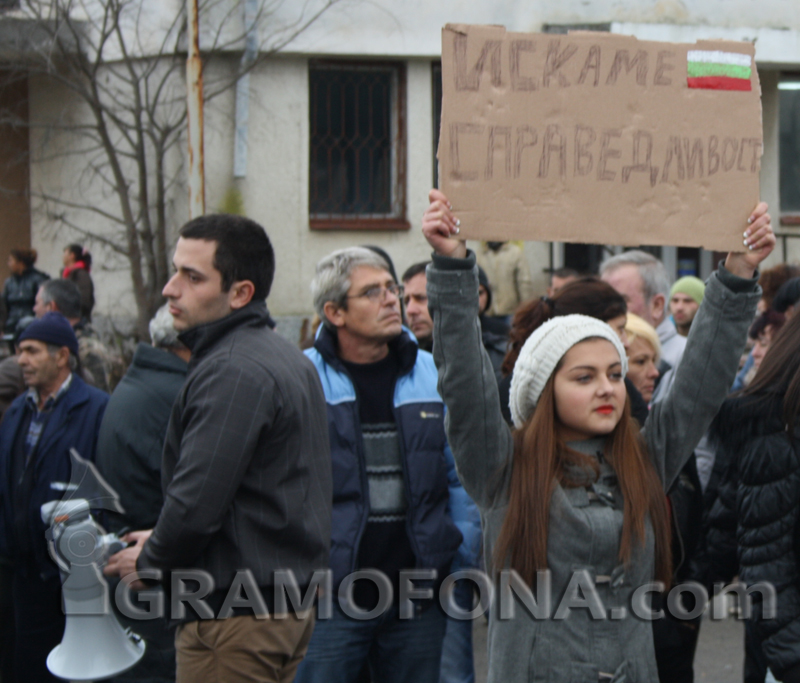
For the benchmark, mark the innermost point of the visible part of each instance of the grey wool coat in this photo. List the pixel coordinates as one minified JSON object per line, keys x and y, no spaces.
{"x":585,"y":523}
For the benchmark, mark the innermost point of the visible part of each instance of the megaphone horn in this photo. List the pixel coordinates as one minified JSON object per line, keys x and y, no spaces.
{"x":76,"y":543}
{"x":113,"y":650}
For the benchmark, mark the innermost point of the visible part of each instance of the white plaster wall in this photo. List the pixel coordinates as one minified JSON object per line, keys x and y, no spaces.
{"x":412,"y":27}
{"x":59,"y":169}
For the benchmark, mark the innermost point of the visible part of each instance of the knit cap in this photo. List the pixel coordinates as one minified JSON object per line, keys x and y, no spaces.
{"x":542,"y":352}
{"x":690,"y":286}
{"x":52,"y":328}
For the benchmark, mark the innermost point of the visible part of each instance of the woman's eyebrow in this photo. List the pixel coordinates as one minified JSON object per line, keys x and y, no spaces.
{"x":592,"y":367}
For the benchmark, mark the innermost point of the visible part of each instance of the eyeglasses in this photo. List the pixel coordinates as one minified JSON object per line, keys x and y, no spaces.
{"x":378,"y":293}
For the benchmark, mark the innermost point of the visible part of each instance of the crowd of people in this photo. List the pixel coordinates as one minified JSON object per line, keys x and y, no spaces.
{"x":611,"y":432}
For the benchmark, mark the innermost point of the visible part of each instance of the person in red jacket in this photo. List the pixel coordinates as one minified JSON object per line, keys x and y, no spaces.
{"x":77,"y":266}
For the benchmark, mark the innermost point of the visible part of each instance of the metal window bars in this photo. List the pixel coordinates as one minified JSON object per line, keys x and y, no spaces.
{"x":357,"y":148}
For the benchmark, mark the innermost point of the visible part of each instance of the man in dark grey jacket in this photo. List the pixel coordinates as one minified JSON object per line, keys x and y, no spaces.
{"x":131,"y":437}
{"x":246,"y":464}
{"x":129,"y":448}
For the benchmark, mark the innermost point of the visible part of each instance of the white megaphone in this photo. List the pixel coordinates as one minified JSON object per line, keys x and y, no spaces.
{"x":94,"y":645}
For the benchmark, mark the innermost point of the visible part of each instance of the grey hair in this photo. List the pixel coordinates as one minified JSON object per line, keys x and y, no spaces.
{"x":163,"y":334}
{"x":74,"y":361}
{"x":653,"y":273}
{"x":332,"y":279}
{"x":64,"y":294}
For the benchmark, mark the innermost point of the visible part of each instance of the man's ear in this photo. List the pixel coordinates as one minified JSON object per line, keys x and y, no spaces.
{"x":241,"y":294}
{"x":657,"y":307}
{"x":62,"y":357}
{"x":334,"y":313}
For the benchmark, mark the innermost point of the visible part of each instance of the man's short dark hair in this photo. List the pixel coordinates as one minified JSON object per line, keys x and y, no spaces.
{"x":64,"y":295}
{"x":416,"y":269}
{"x":565,"y":273}
{"x":788,"y":295}
{"x":243,"y":252}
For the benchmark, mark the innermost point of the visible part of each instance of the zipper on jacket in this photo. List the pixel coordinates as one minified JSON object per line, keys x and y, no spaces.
{"x":404,"y":460}
{"x":362,"y":471}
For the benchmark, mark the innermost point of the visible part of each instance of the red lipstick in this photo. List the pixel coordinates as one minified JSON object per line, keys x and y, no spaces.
{"x":605,"y":410}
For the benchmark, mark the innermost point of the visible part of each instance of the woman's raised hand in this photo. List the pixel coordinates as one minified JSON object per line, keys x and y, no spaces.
{"x":439,"y":225}
{"x":760,"y":241}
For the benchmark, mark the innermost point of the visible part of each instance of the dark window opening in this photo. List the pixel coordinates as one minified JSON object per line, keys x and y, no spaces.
{"x":789,"y":143}
{"x":436,"y":76}
{"x":566,"y":28}
{"x":688,"y":261}
{"x":357,"y":155}
{"x":585,"y":258}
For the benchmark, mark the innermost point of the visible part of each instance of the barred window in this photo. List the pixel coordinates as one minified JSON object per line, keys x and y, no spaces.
{"x":789,"y":127}
{"x":358,"y":160}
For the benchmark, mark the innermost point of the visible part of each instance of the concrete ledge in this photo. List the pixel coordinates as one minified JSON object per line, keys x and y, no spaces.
{"x":775,"y":48}
{"x":30,"y":40}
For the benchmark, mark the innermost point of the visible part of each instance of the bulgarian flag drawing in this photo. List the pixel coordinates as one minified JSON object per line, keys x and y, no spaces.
{"x":717,"y":70}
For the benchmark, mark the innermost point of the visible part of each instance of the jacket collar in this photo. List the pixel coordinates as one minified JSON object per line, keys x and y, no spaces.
{"x":152,"y":358}
{"x":327,"y":343}
{"x":78,"y":265}
{"x":666,"y":330}
{"x":201,"y":339}
{"x":32,"y":395}
{"x":76,"y":395}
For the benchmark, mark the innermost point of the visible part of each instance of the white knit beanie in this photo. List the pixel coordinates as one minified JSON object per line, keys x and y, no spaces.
{"x":543,"y":350}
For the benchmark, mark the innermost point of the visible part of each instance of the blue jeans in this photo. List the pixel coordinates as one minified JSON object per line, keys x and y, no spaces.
{"x":398,"y":651}
{"x":458,"y":664}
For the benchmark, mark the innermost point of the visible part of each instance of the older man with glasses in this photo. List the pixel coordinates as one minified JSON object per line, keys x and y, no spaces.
{"x":390,"y":497}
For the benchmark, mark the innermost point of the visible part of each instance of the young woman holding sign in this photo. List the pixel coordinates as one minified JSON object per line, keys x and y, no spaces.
{"x":576,"y":489}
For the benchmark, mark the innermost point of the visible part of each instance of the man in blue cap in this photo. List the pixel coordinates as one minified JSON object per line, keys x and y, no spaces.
{"x":58,"y":412}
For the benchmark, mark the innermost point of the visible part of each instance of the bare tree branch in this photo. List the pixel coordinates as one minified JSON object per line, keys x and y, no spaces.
{"x":121,"y":81}
{"x":74,"y":205}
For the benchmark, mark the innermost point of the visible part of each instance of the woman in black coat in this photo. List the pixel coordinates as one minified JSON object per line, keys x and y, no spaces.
{"x":19,"y":291}
{"x":757,"y":512}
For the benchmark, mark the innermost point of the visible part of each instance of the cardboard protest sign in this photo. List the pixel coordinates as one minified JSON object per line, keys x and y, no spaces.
{"x":593,"y":137}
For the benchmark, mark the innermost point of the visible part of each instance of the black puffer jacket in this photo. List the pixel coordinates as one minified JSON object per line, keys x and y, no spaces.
{"x":756,"y":513}
{"x":19,"y":294}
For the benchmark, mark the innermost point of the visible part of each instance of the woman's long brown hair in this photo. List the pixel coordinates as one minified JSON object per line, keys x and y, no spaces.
{"x":779,"y":374}
{"x":540,"y":460}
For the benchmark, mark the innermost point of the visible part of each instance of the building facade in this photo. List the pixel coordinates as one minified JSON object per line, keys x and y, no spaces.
{"x":331,"y":142}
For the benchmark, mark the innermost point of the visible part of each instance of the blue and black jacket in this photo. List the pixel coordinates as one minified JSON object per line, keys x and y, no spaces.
{"x":419,"y":415}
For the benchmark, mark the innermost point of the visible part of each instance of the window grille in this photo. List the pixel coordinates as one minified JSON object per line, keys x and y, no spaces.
{"x":357,"y":150}
{"x":789,"y":154}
